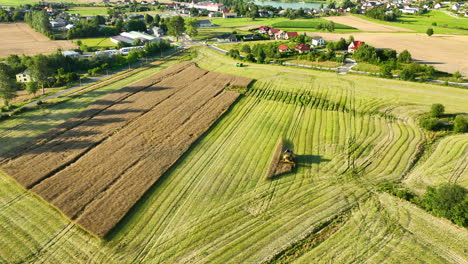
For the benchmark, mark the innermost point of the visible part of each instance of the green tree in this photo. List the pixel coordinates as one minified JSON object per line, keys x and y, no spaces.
{"x":119,"y":24}
{"x":148,"y":19}
{"x":331,"y":26}
{"x":40,"y":70}
{"x":449,"y":201}
{"x":386,"y":71}
{"x":460,"y":125}
{"x":430,"y":32}
{"x":157,"y":20}
{"x":366,"y":53}
{"x":404,"y":57}
{"x":176,"y":26}
{"x":8,"y":84}
{"x":191,"y":27}
{"x":437,"y":110}
{"x":246,"y":48}
{"x":135,"y":25}
{"x":429,"y":123}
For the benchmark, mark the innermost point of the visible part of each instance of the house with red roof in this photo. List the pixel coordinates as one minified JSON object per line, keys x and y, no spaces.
{"x":355,"y":45}
{"x":289,"y":35}
{"x":273,"y":31}
{"x":263,"y":29}
{"x":302,"y":48}
{"x":283,"y":48}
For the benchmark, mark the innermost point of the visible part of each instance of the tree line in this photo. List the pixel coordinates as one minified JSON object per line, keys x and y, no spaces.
{"x":57,"y":70}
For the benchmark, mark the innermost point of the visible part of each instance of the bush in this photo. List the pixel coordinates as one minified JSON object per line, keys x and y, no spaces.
{"x":437,"y":110}
{"x":449,"y":201}
{"x":397,"y":190}
{"x":429,"y":123}
{"x":430,"y":32}
{"x":386,"y":71}
{"x":460,"y":125}
{"x":404,"y":57}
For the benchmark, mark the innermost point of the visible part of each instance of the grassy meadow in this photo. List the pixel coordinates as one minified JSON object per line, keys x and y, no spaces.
{"x":97,"y":42}
{"x":350,"y":133}
{"x":88,"y":11}
{"x":446,"y":24}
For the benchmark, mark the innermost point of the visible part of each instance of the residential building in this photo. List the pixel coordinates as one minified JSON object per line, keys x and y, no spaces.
{"x":229,"y":15}
{"x":302,"y":48}
{"x":355,"y":45}
{"x":263,"y":29}
{"x":283,"y":48}
{"x":318,"y":41}
{"x":23,"y":77}
{"x":204,"y":23}
{"x":289,"y":35}
{"x":251,"y":37}
{"x":226,"y":38}
{"x":157,"y":31}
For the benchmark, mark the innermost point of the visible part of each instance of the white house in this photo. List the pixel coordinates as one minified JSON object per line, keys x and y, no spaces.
{"x":157,"y":31}
{"x":437,"y":6}
{"x":204,"y":23}
{"x":229,"y":15}
{"x":455,"y":7}
{"x":318,"y":41}
{"x":23,"y":77}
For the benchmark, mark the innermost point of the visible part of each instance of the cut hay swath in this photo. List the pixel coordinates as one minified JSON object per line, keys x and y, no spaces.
{"x":276,"y":167}
{"x":94,"y":168}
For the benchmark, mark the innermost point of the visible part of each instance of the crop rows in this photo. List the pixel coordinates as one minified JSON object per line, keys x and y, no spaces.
{"x":214,"y":205}
{"x":94,"y":168}
{"x":446,"y":164}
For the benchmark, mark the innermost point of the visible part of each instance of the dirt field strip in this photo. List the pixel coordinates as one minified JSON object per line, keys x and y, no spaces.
{"x":95,"y":168}
{"x":19,"y":38}
{"x":364,"y":25}
{"x":444,"y":52}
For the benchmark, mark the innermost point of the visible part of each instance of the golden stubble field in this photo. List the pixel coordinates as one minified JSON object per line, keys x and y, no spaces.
{"x":19,"y":38}
{"x":445,"y":52}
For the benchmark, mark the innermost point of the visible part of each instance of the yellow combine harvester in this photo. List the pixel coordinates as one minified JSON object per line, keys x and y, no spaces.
{"x":288,"y":157}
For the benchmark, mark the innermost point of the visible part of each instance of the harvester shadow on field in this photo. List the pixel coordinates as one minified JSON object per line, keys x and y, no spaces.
{"x":302,"y":161}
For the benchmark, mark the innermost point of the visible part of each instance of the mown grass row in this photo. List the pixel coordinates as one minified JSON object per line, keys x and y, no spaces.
{"x":214,"y":206}
{"x":386,"y":229}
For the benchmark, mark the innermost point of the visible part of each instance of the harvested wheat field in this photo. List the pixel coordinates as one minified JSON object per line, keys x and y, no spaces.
{"x":95,"y":167}
{"x":445,"y":52}
{"x":19,"y":38}
{"x":364,"y":25}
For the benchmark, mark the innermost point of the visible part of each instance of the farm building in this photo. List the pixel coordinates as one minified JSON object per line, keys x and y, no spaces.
{"x":23,"y":77}
{"x":355,"y":45}
{"x":283,"y":48}
{"x":130,"y":37}
{"x":302,"y":48}
{"x":70,"y":53}
{"x":318,"y":41}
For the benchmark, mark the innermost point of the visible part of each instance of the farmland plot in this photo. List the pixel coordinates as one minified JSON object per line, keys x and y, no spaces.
{"x":214,"y":205}
{"x":95,"y":167}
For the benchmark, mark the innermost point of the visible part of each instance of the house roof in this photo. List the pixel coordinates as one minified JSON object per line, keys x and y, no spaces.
{"x":356,"y":44}
{"x":226,"y":36}
{"x":292,"y":34}
{"x":302,"y":47}
{"x":274,"y":30}
{"x":283,"y":48}
{"x":204,"y":21}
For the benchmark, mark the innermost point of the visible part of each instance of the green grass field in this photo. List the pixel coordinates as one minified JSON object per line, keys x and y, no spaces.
{"x":445,"y":23}
{"x":96,"y":42}
{"x":302,"y":25}
{"x":310,"y":24}
{"x":350,"y":133}
{"x":88,"y":11}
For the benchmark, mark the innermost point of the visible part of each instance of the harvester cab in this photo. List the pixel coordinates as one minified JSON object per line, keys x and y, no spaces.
{"x":239,"y":64}
{"x":288,"y":157}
